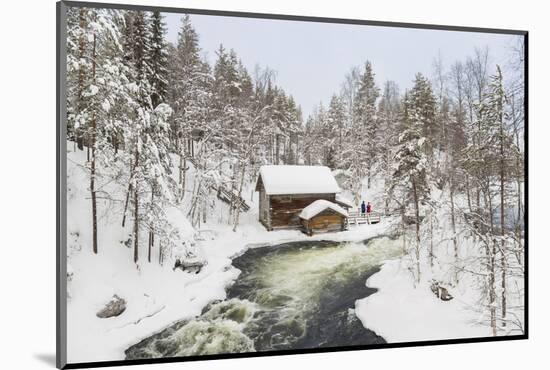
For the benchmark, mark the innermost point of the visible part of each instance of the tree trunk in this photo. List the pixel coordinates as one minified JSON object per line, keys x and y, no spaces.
{"x":204,"y":209}
{"x":183,"y":165}
{"x":93,"y":164}
{"x":478,"y":201}
{"x":183,"y":178}
{"x":453,"y":225}
{"x":233,"y":201}
{"x":161,"y":250}
{"x":127,"y":199}
{"x":181,"y":168}
{"x":431,"y":240}
{"x":492,"y":295}
{"x":80,"y":86}
{"x":149,"y":243}
{"x":151,"y":238}
{"x":238,"y":209}
{"x":417,"y":216}
{"x":468,"y":193}
{"x":503,"y":254}
{"x":386,"y":197}
{"x":369,"y":174}
{"x":272,"y":149}
{"x":519,"y":254}
{"x":194,"y":202}
{"x":492,"y":250}
{"x":115,"y":144}
{"x":136,"y":209}
{"x":277,"y":148}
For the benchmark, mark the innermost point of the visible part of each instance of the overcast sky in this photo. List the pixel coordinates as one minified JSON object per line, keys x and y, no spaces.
{"x":311,"y":59}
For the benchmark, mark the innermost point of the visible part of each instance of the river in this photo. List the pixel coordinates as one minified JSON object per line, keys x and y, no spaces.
{"x":290,"y":296}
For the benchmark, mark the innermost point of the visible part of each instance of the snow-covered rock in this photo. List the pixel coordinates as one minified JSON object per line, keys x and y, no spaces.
{"x":115,"y":307}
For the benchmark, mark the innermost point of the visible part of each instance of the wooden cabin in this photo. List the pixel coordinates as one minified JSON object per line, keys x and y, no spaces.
{"x":284,"y":191}
{"x":323,"y":216}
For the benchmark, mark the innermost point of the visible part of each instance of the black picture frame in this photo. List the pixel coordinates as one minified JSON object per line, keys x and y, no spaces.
{"x":61,"y":185}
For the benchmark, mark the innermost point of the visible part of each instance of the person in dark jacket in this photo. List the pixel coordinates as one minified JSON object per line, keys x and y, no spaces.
{"x":363,"y":207}
{"x":369,"y":207}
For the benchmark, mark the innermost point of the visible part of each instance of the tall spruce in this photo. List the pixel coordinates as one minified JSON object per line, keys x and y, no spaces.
{"x":158,"y":59}
{"x":365,"y":116}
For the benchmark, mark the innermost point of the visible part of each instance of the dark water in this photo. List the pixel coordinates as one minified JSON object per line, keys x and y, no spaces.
{"x":291,"y":296}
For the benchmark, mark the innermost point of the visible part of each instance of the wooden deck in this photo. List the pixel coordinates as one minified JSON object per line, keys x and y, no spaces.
{"x":358,"y":218}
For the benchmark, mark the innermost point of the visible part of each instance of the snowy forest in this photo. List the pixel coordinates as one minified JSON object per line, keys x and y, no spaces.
{"x":154,"y":128}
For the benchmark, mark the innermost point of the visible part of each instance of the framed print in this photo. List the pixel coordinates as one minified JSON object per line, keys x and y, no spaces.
{"x":236,"y":184}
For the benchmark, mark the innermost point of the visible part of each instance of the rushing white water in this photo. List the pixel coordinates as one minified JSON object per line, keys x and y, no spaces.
{"x":294,"y":295}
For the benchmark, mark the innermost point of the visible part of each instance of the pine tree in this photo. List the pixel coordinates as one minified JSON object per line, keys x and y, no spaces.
{"x":497,"y":150}
{"x":188,"y":94}
{"x":365,"y":116}
{"x":141,"y":47}
{"x":97,"y":96}
{"x":387,"y":135}
{"x":423,"y":109}
{"x":293,"y":130}
{"x":158,"y":59}
{"x":410,"y":183}
{"x":335,"y":131}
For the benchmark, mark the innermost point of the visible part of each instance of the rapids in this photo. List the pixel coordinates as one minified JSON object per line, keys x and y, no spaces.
{"x":289,"y":296}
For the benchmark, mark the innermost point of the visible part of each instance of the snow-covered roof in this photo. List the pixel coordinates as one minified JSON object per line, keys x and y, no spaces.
{"x":278,"y":180}
{"x":345,"y":201}
{"x":319,"y":206}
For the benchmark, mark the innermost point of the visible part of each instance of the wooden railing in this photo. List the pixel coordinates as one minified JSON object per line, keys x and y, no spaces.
{"x":230,"y":197}
{"x":225,"y":194}
{"x":357,"y":218}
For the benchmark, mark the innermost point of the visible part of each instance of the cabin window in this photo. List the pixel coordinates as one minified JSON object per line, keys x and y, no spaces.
{"x":285,"y":199}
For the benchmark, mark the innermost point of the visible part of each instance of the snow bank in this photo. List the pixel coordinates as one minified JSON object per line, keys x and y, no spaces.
{"x":280,"y":180}
{"x":399,"y":312}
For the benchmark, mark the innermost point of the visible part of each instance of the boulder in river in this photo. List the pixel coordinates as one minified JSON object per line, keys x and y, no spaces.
{"x":113,"y":308}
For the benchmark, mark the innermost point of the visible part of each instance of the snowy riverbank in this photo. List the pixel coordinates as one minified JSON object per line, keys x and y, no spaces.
{"x":159,"y":296}
{"x":401,"y":312}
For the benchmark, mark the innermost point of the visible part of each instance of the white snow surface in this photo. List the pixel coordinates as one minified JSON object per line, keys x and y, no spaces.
{"x":287,"y":179}
{"x":404,"y":311}
{"x":156,"y":296}
{"x":401,"y":312}
{"x":319,"y":206}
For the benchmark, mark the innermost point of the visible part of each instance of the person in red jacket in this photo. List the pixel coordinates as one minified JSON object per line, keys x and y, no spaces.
{"x":369,"y":207}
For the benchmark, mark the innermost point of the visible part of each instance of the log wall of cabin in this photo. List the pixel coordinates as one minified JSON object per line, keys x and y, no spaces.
{"x":264,"y":214}
{"x":325,"y":221}
{"x":284,"y":209}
